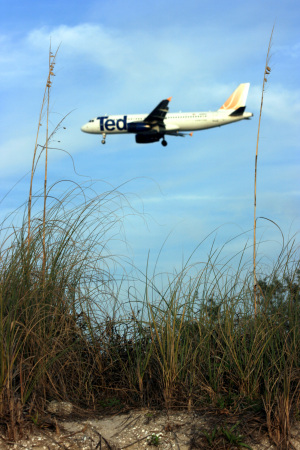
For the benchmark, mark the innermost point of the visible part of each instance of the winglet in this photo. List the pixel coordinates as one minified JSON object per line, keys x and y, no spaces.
{"x":169,"y":99}
{"x":191,"y":134}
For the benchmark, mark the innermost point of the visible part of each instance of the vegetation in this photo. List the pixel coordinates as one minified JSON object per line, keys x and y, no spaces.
{"x":224,"y":436}
{"x":199,"y":343}
{"x":154,"y":440}
{"x":195,"y":344}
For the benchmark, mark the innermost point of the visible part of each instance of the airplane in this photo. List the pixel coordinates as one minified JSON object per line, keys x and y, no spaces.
{"x":159,"y":123}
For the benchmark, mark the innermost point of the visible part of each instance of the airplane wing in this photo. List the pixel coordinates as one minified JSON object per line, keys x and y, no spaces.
{"x":156,"y":117}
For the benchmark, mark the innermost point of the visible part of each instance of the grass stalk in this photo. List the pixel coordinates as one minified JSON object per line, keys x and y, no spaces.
{"x":52,"y":61}
{"x":267,"y":71}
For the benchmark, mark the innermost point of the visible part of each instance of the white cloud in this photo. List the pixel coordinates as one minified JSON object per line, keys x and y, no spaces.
{"x":118,"y":64}
{"x":93,"y":43}
{"x":283,"y":105}
{"x":280,"y":103}
{"x":170,"y":57}
{"x":192,"y":198}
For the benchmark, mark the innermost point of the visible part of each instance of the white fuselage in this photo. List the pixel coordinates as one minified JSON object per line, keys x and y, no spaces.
{"x":193,"y":121}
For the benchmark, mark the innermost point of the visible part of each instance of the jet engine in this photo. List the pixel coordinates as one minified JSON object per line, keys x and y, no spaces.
{"x":147,"y":138}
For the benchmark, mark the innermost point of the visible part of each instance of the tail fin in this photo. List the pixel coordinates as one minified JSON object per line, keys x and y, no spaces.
{"x":236,"y":103}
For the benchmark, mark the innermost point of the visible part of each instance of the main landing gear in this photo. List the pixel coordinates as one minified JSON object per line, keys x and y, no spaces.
{"x":164,"y":142}
{"x":104,"y":137}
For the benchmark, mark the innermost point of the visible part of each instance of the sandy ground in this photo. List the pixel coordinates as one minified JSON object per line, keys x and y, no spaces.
{"x":135,"y":430}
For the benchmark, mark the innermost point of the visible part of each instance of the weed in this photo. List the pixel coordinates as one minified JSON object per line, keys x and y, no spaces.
{"x":35,"y":418}
{"x":148,"y":417}
{"x":154,"y":440}
{"x":211,"y":436}
{"x":233,"y":437}
{"x":217,"y":437}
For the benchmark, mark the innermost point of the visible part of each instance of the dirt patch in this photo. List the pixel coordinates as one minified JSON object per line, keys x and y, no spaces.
{"x":148,"y":429}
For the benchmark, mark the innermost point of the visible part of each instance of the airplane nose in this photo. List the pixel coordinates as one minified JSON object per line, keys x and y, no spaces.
{"x":84,"y":127}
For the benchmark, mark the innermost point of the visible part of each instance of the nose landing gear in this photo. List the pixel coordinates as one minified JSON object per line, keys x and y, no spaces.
{"x":164,"y":142}
{"x":104,"y":137}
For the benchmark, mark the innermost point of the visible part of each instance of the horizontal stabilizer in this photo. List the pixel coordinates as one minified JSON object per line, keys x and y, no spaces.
{"x":239,"y":111}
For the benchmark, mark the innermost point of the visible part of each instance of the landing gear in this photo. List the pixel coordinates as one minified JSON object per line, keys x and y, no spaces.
{"x":164,"y":142}
{"x":104,"y":137}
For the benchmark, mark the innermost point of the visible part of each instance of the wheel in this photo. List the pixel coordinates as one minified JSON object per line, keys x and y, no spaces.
{"x":164,"y":143}
{"x":103,"y":141}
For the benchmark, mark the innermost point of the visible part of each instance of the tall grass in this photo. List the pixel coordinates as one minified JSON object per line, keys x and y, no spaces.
{"x":194,"y":344}
{"x":47,"y":309}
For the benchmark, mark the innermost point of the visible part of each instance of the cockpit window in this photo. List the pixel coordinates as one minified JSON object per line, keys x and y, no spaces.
{"x":91,"y":120}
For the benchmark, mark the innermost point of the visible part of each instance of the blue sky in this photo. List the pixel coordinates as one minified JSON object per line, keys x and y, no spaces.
{"x":125,"y":57}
